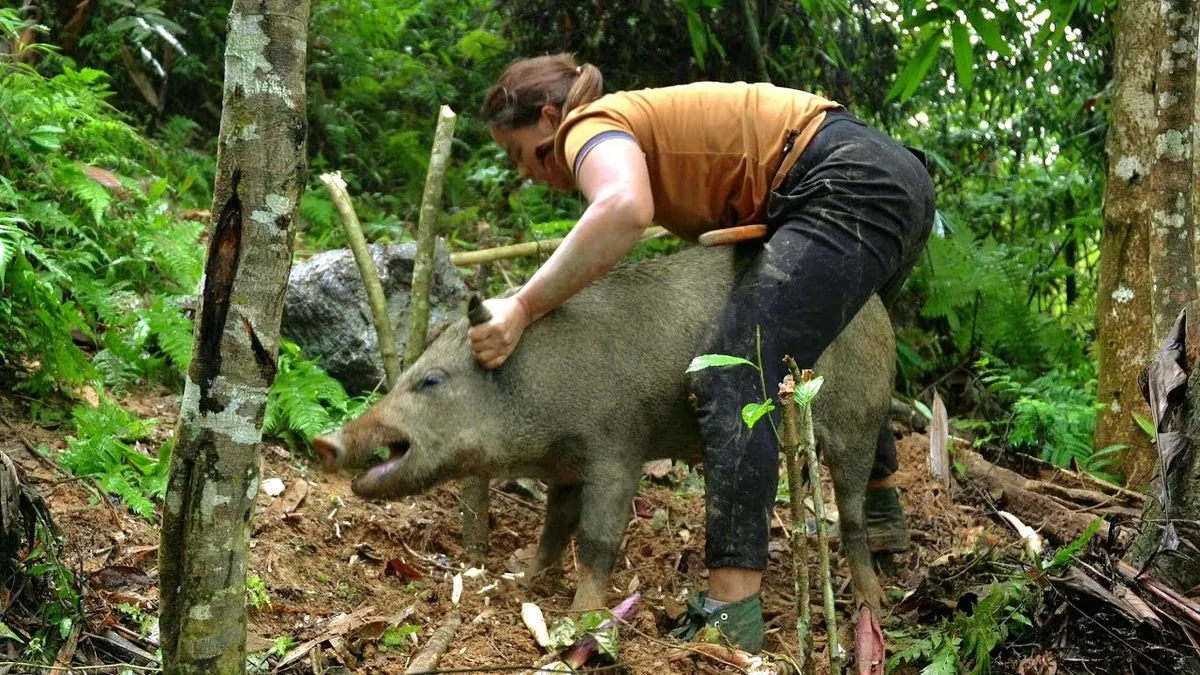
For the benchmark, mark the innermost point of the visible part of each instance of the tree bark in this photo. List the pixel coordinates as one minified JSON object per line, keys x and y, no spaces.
{"x":213,"y":483}
{"x":1171,"y":558}
{"x":1123,"y":322}
{"x":1172,"y":269}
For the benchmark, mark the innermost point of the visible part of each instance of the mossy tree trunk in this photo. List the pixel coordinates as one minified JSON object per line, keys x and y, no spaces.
{"x":1168,"y":538}
{"x":214,"y":473}
{"x":1127,"y":307}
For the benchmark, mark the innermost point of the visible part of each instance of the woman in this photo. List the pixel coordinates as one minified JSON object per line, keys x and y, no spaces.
{"x":847,"y":211}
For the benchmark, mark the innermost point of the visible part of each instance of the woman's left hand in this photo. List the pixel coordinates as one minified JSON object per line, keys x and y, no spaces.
{"x":494,"y":341}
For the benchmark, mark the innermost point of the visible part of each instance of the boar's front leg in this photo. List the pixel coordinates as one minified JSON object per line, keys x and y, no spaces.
{"x":607,"y":494}
{"x":562,"y":517}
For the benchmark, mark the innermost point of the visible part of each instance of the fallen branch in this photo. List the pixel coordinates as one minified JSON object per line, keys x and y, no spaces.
{"x":427,"y":660}
{"x":1013,"y":492}
{"x":487,"y":255}
{"x":370,"y":276}
{"x":1165,"y":593}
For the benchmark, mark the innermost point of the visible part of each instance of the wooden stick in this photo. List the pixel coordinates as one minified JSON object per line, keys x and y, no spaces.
{"x":435,"y":649}
{"x":809,"y":442}
{"x":528,"y":248}
{"x":370,"y":276}
{"x":418,"y":317}
{"x":790,"y":444}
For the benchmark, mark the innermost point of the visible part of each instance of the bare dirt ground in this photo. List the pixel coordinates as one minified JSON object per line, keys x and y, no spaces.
{"x":337,"y":570}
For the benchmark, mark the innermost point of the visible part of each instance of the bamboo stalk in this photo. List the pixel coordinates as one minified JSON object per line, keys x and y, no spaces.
{"x":528,"y":248}
{"x":418,"y":317}
{"x":386,"y":335}
{"x":790,"y":444}
{"x":809,"y":442}
{"x":435,"y":649}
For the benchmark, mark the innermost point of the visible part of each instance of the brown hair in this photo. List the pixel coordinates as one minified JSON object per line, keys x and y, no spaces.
{"x":517,"y":97}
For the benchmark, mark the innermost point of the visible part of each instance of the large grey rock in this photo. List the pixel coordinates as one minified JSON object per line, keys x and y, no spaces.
{"x":325,"y":310}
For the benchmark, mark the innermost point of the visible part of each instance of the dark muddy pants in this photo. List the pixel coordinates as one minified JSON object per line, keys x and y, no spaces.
{"x":849,"y":220}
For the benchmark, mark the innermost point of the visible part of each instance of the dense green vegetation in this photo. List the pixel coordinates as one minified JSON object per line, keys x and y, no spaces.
{"x":108,"y":127}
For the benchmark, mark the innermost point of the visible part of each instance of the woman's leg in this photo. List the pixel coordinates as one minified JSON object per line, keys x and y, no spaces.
{"x":848,"y":222}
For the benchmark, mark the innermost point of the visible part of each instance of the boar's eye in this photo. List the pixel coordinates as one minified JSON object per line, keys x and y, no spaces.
{"x":433,"y":377}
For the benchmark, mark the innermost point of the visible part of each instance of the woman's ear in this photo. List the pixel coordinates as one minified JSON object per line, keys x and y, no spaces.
{"x":550,"y":115}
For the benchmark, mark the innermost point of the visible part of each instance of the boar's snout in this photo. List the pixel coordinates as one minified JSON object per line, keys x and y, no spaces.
{"x":329,"y":449}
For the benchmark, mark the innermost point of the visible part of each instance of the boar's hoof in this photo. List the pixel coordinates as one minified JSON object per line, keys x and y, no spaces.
{"x":330,"y":451}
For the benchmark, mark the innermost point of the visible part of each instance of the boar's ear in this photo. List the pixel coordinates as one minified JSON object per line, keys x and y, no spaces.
{"x":476,"y":312}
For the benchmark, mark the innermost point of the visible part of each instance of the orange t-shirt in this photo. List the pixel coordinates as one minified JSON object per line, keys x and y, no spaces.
{"x":714,"y":150}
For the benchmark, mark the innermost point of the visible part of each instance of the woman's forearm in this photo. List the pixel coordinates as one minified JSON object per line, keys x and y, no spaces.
{"x":607,"y":231}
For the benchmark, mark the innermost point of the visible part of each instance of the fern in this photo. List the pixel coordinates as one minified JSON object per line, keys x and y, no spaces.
{"x":304,"y":401}
{"x":105,"y":446}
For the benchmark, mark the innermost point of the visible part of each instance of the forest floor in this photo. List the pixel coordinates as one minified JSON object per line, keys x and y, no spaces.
{"x":338,"y":571}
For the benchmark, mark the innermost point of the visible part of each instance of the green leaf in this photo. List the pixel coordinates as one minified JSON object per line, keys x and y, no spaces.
{"x":716,"y":361}
{"x":988,"y":32}
{"x":46,"y":137}
{"x":7,"y":634}
{"x":910,"y":78}
{"x":1146,"y":425}
{"x":964,"y":55}
{"x":805,"y":393}
{"x":753,"y":412}
{"x":923,"y":409}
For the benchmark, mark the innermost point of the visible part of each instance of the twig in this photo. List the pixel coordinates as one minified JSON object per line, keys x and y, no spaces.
{"x":790,"y":444}
{"x":78,"y":669}
{"x":67,"y":652}
{"x":370,"y":276}
{"x":528,"y":248}
{"x":418,"y":315}
{"x":1164,"y":592}
{"x":809,"y":443}
{"x":536,"y":507}
{"x":426,"y":661}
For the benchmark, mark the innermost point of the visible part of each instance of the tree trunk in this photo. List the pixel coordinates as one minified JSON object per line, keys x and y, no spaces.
{"x":1167,"y":537}
{"x":1123,"y":321}
{"x":261,"y":172}
{"x":1172,"y":270}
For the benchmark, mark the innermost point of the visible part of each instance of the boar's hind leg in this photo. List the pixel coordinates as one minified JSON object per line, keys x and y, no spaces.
{"x":850,"y":467}
{"x":562,"y":517}
{"x":606,"y":507}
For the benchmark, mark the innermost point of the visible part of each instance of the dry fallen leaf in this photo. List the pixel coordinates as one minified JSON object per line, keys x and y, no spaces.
{"x":401,"y":569}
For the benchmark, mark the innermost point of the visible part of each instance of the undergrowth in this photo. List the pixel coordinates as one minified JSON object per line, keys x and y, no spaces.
{"x":1008,"y":609}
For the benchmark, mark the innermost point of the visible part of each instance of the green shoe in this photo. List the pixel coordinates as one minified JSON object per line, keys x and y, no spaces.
{"x":887,"y":526}
{"x":738,"y":624}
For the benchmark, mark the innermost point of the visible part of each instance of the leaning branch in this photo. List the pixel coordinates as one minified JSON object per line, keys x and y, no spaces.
{"x":370,"y":276}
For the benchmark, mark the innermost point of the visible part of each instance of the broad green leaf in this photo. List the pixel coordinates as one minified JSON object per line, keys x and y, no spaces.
{"x":46,"y":137}
{"x":1146,"y":425}
{"x":753,"y":412}
{"x":923,"y":409}
{"x":964,"y":55}
{"x":910,"y":78}
{"x":988,"y":32}
{"x":7,"y":634}
{"x":805,"y":393}
{"x":715,"y":361}
{"x":698,"y":35}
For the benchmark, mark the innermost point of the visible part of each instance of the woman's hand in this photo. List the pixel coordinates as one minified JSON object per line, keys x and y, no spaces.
{"x":494,"y":341}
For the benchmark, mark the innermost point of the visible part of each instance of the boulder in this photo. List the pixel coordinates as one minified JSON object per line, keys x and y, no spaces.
{"x":325,"y":309}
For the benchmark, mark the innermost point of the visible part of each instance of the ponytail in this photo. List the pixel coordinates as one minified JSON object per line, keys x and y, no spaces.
{"x":517,"y":97}
{"x":589,"y":86}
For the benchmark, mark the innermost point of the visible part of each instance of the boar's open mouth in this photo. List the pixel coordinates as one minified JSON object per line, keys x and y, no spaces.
{"x":397,"y":452}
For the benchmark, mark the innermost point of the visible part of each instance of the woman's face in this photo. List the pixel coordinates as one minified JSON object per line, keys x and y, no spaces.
{"x":522,"y":145}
